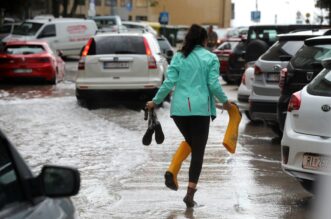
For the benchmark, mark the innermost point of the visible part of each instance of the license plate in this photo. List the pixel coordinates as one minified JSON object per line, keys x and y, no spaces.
{"x":115,"y":65}
{"x":315,"y":162}
{"x":273,"y":77}
{"x":23,"y":70}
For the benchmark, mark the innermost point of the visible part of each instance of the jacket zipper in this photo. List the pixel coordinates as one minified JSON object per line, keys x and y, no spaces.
{"x":189,"y":104}
{"x":208,"y":104}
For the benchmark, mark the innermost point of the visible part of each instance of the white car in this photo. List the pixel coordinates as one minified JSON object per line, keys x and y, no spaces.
{"x":121,"y":65}
{"x":305,"y":146}
{"x":245,"y":88}
{"x":140,"y":26}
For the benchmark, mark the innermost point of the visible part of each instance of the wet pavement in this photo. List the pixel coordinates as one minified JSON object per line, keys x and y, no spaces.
{"x":122,"y":178}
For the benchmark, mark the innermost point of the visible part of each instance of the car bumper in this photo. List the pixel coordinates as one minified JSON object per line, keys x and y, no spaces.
{"x":300,"y":144}
{"x":243,"y":102}
{"x":40,"y":73}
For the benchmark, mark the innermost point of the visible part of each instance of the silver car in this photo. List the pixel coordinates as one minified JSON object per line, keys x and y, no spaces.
{"x":265,"y":89}
{"x":25,"y":196}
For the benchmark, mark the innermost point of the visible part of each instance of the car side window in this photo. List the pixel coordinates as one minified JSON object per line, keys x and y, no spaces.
{"x":48,"y":31}
{"x":10,"y":190}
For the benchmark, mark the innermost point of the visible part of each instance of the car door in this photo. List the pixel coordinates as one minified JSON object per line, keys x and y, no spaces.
{"x":20,"y":200}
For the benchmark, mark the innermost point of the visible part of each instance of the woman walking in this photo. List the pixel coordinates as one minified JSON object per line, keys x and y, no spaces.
{"x":194,"y":72}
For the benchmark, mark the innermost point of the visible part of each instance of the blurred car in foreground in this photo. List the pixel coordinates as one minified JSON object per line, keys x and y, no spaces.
{"x":302,"y":69}
{"x":26,"y":60}
{"x":245,"y":89}
{"x":125,"y":66}
{"x":23,"y":195}
{"x":305,"y":145}
{"x":265,"y":89}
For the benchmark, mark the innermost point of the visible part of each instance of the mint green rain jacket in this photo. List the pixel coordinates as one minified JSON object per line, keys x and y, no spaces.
{"x":196,"y":82}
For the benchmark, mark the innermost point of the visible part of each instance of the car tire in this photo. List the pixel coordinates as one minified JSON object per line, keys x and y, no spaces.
{"x":308,"y":185}
{"x":255,"y":49}
{"x":52,"y":81}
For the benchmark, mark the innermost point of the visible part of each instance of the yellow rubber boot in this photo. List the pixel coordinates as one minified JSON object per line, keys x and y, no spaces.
{"x":231,"y":133}
{"x":181,"y":154}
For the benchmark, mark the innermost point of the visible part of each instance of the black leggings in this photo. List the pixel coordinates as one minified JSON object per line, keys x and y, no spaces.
{"x":195,"y":130}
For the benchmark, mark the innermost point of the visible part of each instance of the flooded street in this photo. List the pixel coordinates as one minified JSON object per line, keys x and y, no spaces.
{"x":122,"y":178}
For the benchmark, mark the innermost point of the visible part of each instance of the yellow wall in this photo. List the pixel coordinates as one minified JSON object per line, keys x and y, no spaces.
{"x":185,"y":12}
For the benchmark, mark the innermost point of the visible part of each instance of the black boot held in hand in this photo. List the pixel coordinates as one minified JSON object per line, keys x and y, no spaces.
{"x":159,"y":136}
{"x":169,"y":181}
{"x":147,"y":138}
{"x":188,"y":199}
{"x":153,"y":126}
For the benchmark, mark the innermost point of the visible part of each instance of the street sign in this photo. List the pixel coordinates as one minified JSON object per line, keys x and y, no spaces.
{"x":256,"y":16}
{"x":164,"y":18}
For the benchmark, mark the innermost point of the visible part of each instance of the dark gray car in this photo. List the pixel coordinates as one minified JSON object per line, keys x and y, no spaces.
{"x":24,"y":196}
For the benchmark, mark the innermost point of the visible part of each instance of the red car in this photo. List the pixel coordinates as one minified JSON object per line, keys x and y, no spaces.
{"x":30,"y":59}
{"x":226,"y":53}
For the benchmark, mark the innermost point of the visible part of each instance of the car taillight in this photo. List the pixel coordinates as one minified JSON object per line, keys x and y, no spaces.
{"x":282,"y":77}
{"x":81,"y":63}
{"x":243,"y":79}
{"x":257,"y":70}
{"x":151,"y":62}
{"x":295,"y":102}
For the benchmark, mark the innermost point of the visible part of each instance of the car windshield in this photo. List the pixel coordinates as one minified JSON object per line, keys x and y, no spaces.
{"x":27,"y":29}
{"x":308,"y":55}
{"x":321,"y":85}
{"x":119,"y":45}
{"x":282,"y":48}
{"x":24,"y":49}
{"x":5,"y":29}
{"x":108,"y":22}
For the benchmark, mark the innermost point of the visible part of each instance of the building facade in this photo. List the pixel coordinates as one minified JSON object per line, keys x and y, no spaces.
{"x":183,"y":12}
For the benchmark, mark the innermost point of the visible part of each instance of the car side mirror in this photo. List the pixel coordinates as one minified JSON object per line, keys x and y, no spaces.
{"x":285,"y":58}
{"x":169,"y":53}
{"x":60,"y":181}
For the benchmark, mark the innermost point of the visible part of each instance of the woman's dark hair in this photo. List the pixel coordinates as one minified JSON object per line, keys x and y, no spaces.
{"x":196,"y":36}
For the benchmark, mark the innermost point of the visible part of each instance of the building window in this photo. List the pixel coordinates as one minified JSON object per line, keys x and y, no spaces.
{"x":97,"y":2}
{"x":125,"y":3}
{"x":141,"y":18}
{"x":81,"y":2}
{"x":141,"y":3}
{"x":111,"y":3}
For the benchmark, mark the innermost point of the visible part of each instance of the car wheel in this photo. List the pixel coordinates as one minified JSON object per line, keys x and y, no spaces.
{"x":308,"y":185}
{"x":255,"y":49}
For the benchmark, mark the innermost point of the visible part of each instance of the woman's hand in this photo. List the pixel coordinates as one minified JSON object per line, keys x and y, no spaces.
{"x":227,"y":105}
{"x":150,"y":105}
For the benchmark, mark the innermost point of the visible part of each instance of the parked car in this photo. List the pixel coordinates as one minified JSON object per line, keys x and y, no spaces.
{"x":229,"y":54}
{"x":265,"y":89}
{"x":120,"y":64}
{"x":166,"y":49}
{"x":111,"y":23}
{"x":306,"y":141}
{"x":23,"y":195}
{"x":302,"y":69}
{"x":23,"y":60}
{"x":258,"y":40}
{"x":7,"y":29}
{"x":130,"y":25}
{"x":65,"y":34}
{"x":245,"y":89}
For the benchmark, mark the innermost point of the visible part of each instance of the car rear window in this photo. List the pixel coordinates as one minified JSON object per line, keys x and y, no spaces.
{"x":118,"y":45}
{"x":282,"y":48}
{"x":24,"y":49}
{"x":321,"y":85}
{"x":27,"y":29}
{"x":308,"y":55}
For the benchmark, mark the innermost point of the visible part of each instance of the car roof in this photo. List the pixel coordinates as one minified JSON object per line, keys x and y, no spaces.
{"x":123,"y":34}
{"x":135,"y":23}
{"x":302,"y":35}
{"x":57,"y":20}
{"x":320,"y":40}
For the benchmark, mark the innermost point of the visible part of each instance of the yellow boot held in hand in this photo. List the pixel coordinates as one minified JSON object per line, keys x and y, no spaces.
{"x":231,"y":134}
{"x":181,"y":154}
